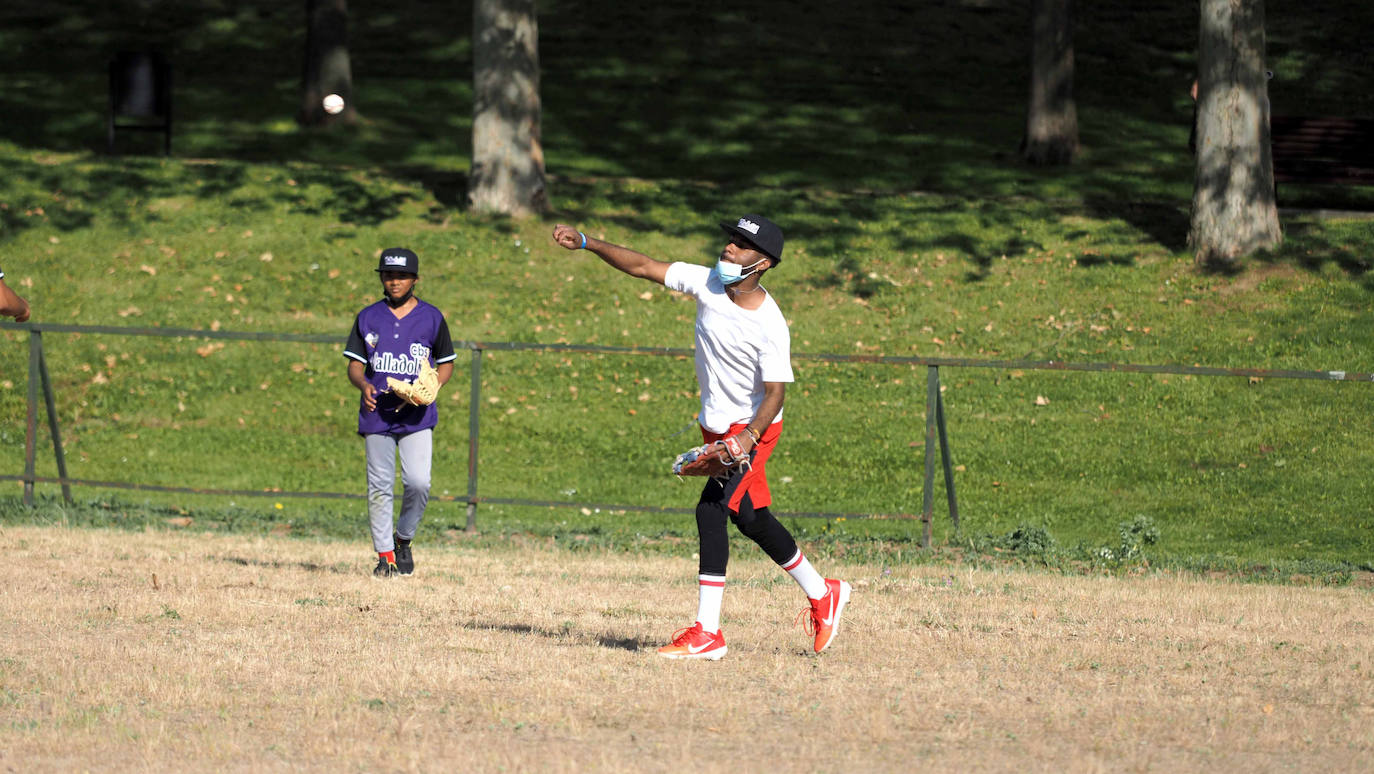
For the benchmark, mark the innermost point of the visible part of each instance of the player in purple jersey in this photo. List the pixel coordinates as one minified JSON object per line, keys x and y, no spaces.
{"x":391,"y":338}
{"x":11,"y":303}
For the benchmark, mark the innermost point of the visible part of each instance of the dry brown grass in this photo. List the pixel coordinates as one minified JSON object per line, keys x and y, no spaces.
{"x":282,"y":654}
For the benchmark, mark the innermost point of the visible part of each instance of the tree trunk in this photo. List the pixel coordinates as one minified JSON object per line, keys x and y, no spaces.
{"x":507,"y":158}
{"x":327,"y":67}
{"x":1051,"y":116}
{"x":1234,"y":208}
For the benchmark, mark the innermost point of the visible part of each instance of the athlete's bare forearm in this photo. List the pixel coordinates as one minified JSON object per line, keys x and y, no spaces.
{"x":12,"y":305}
{"x":632,"y":262}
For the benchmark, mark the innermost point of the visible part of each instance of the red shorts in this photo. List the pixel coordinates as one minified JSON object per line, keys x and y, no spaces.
{"x":755,"y":481}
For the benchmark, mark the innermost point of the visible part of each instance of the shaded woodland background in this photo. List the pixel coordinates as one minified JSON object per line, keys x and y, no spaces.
{"x":917,"y":95}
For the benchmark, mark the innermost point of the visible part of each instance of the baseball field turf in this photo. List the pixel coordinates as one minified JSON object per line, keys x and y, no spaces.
{"x":1153,"y":571}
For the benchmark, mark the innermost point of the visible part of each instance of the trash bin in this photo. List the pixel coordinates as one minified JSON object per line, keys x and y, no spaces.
{"x":140,"y":96}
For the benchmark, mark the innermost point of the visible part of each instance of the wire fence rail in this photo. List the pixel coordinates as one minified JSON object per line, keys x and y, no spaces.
{"x":936,"y":431}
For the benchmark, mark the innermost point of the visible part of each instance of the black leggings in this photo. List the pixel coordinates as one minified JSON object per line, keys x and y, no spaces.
{"x":757,"y":524}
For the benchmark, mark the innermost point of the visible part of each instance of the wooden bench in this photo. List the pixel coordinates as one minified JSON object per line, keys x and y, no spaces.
{"x":1315,"y":150}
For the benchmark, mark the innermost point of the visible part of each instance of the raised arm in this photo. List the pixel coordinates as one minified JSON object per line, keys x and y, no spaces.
{"x":12,"y":305}
{"x":633,"y":263}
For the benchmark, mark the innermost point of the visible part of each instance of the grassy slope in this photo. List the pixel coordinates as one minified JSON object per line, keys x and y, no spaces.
{"x":885,"y":146}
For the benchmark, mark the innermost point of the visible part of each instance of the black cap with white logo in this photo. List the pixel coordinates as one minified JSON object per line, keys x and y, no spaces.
{"x":399,"y":259}
{"x":760,"y":232}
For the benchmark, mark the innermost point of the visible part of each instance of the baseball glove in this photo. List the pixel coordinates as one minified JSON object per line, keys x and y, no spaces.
{"x":718,"y":458}
{"x":420,"y":392}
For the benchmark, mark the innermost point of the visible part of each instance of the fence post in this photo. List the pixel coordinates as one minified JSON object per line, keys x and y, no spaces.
{"x":935,"y":426}
{"x":944,"y":457}
{"x":928,"y":490}
{"x":31,"y":428}
{"x":50,"y":402}
{"x":474,"y":402}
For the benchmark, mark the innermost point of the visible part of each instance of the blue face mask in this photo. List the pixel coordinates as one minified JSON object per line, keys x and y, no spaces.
{"x":729,"y":273}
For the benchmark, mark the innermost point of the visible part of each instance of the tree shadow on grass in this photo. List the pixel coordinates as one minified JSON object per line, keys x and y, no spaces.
{"x":1164,"y":222}
{"x":565,"y":635}
{"x":449,"y":188}
{"x":272,"y":564}
{"x":1312,"y":244}
{"x":51,"y":195}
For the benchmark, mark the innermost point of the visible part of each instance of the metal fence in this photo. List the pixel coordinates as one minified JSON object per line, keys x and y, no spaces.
{"x":935,"y":427}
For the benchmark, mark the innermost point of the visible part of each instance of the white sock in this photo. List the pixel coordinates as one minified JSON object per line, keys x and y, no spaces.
{"x":805,"y":575}
{"x":710,"y":592}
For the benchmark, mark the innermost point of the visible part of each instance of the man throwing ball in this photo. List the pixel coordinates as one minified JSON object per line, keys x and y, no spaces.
{"x":743,"y":365}
{"x":394,"y":342}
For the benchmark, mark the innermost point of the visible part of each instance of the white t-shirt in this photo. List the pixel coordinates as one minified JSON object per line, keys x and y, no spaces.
{"x":737,"y":349}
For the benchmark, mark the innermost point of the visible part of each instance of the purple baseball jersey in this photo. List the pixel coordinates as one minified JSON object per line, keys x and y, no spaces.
{"x":394,"y":347}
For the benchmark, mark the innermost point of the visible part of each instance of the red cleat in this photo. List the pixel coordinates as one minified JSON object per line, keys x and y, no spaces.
{"x":822,"y":618}
{"x":692,"y":642}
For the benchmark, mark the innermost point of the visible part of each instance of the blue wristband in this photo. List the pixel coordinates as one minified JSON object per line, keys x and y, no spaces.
{"x":584,"y":240}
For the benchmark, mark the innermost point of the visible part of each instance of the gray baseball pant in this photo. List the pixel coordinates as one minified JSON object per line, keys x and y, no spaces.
{"x":416,"y":449}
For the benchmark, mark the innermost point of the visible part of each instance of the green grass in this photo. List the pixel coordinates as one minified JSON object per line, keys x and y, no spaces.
{"x":887,"y":150}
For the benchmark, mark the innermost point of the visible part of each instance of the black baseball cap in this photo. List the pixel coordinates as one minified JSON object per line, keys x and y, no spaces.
{"x":399,"y":259}
{"x":760,"y":232}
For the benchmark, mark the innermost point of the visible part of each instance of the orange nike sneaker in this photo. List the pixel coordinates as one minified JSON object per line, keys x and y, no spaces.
{"x":822,"y":618}
{"x":692,"y":642}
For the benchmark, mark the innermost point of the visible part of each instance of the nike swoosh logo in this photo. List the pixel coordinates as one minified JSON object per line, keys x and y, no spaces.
{"x":693,"y":649}
{"x":826,"y":621}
